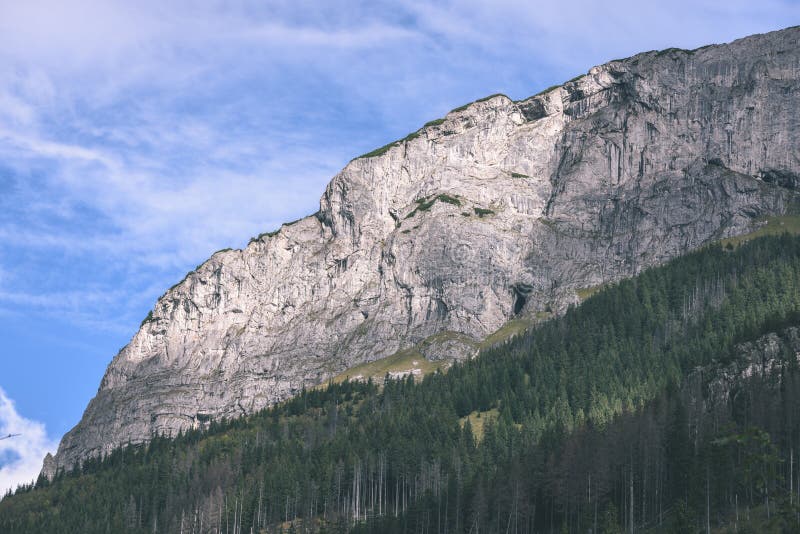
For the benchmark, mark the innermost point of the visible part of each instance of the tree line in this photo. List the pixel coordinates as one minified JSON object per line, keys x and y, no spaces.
{"x":602,"y":419}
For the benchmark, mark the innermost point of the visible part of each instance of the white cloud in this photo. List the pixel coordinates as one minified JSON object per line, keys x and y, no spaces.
{"x":20,"y":456}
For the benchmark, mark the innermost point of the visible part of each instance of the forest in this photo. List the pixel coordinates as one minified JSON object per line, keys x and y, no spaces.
{"x":663,"y":403}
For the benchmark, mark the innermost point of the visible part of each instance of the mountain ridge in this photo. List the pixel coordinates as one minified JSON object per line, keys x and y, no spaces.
{"x":501,"y":209}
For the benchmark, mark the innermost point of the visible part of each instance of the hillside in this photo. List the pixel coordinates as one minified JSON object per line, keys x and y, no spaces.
{"x":666,"y":402}
{"x":500,"y":210}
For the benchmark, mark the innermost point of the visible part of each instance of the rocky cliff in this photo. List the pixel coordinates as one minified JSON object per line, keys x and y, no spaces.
{"x":501,"y":209}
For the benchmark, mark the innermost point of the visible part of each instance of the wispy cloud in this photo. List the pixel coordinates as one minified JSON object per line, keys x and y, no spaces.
{"x":138,"y":137}
{"x":20,"y":456}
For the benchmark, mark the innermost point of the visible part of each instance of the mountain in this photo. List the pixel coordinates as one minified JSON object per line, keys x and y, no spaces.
{"x":665,"y":403}
{"x":501,"y":210}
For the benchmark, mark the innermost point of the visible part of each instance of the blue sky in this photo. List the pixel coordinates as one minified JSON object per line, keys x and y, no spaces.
{"x":136,"y":138}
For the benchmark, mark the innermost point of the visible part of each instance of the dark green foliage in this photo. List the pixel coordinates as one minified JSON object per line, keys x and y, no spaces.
{"x":484,"y":99}
{"x":480,"y":212}
{"x":379,"y":151}
{"x":519,"y":175}
{"x":261,"y":236}
{"x":385,"y":148}
{"x":448,"y":199}
{"x":587,"y":405}
{"x":424,"y":204}
{"x":435,"y":122}
{"x":668,"y":51}
{"x":290,"y":223}
{"x":411,"y":136}
{"x":543,"y":91}
{"x":147,"y":319}
{"x":547,"y":90}
{"x":176,"y":284}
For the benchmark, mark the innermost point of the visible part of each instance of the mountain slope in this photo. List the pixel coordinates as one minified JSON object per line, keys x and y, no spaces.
{"x":501,"y":209}
{"x":667,"y":382}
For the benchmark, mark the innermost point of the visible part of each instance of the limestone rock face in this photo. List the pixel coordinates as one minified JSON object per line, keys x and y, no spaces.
{"x":502,"y":209}
{"x":712,"y":388}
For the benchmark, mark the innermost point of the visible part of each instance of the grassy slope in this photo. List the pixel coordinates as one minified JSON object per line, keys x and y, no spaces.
{"x":400,"y":363}
{"x":771,"y":226}
{"x":478,"y":421}
{"x":412,"y":361}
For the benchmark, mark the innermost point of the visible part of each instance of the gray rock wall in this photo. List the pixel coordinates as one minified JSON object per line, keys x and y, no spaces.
{"x":502,"y":209}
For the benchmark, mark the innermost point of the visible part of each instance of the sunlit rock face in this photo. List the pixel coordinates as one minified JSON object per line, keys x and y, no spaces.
{"x":501,"y":209}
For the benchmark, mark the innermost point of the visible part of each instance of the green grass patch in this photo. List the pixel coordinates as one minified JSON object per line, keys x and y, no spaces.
{"x":448,"y":335}
{"x":409,"y":359}
{"x":411,"y":136}
{"x":586,"y":292}
{"x":772,"y":226}
{"x":519,"y":175}
{"x":148,"y":319}
{"x":448,"y":199}
{"x":379,"y":151}
{"x":480,"y":212}
{"x":385,"y":148}
{"x":478,"y":422}
{"x":176,"y":284}
{"x":671,"y":51}
{"x":512,"y":328}
{"x":484,"y":99}
{"x":543,"y":91}
{"x":424,"y":204}
{"x":262,"y":235}
{"x":404,"y":361}
{"x":434,"y":122}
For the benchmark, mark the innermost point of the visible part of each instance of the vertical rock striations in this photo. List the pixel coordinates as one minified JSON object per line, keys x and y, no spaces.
{"x":501,"y":209}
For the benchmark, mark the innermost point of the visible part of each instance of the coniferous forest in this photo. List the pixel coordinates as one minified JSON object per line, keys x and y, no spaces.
{"x":663,"y":403}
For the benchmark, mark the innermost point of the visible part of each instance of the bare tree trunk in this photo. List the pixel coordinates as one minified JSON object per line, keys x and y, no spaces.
{"x":708,"y":503}
{"x":631,"y":502}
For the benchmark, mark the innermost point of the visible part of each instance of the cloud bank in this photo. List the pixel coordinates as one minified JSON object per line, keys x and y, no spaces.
{"x":20,"y":456}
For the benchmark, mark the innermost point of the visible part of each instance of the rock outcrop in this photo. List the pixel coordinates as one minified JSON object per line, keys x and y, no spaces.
{"x":501,"y":209}
{"x":714,"y":389}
